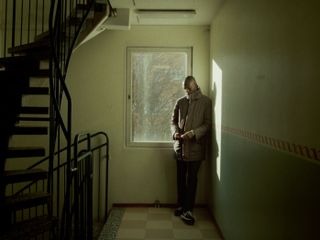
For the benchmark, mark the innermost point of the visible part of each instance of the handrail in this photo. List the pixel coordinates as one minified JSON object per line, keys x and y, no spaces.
{"x":78,"y":156}
{"x":61,"y":51}
{"x":61,"y":48}
{"x":65,"y":148}
{"x":18,"y":18}
{"x":94,"y":148}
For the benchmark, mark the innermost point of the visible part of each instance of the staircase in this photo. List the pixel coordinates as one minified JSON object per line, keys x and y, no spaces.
{"x":31,"y":122}
{"x":33,"y":91}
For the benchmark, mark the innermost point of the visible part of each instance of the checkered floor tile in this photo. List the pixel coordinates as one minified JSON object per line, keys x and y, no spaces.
{"x":160,"y":223}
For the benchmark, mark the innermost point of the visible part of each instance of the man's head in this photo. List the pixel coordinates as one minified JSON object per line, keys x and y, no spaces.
{"x":190,"y":85}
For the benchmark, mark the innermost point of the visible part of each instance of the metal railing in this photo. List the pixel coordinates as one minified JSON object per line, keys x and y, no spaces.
{"x":65,"y":24}
{"x":90,"y":165}
{"x":22,"y":21}
{"x":58,"y":22}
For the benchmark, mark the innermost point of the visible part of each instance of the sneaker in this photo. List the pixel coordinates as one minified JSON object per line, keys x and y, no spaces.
{"x":178,"y":211}
{"x":187,"y":218}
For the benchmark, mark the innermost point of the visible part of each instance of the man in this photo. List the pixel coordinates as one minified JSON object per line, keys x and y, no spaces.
{"x":190,"y":126}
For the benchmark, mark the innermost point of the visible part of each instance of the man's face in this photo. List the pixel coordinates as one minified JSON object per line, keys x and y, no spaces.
{"x":189,"y":87}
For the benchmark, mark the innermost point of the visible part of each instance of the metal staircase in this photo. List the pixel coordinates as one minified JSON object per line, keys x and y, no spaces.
{"x":36,"y":196}
{"x":32,"y":121}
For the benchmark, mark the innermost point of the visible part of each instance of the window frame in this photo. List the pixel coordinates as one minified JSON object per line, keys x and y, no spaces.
{"x":128,"y":99}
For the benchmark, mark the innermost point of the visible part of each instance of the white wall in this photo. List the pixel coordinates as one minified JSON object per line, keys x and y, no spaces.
{"x":97,"y":79}
{"x":268,"y":53}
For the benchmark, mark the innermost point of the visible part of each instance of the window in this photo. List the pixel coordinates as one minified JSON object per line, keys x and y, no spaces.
{"x":154,"y":83}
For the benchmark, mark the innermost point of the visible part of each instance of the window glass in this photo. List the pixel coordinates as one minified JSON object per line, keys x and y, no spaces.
{"x":154,"y":84}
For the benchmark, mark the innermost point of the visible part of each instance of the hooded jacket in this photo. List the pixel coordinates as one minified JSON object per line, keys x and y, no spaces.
{"x":192,"y":112}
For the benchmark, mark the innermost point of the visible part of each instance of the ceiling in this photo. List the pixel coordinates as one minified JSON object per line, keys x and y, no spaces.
{"x":162,"y":12}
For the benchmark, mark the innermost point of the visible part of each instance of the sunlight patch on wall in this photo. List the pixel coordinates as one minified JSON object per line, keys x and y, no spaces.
{"x":217,"y":89}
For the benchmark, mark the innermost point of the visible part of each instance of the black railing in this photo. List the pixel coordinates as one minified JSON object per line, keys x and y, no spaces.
{"x":60,"y":23}
{"x":99,"y":152}
{"x":82,"y":174}
{"x":23,"y":22}
{"x":65,"y":24}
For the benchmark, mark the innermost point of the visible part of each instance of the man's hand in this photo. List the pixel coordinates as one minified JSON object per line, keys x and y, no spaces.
{"x":177,"y":136}
{"x":188,"y":135}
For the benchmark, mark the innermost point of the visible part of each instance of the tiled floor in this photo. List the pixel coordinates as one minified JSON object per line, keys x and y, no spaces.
{"x":160,"y":223}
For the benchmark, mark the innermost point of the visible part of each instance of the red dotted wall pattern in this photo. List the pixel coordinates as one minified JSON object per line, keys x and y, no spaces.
{"x":279,"y":144}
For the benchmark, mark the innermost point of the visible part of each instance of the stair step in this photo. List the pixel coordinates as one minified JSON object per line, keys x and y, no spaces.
{"x":24,"y":74}
{"x":81,"y":6}
{"x":40,"y":54}
{"x":23,"y":130}
{"x":14,"y":76}
{"x":27,"y":200}
{"x":34,"y":110}
{"x":21,"y":152}
{"x":36,"y":91}
{"x":38,"y":46}
{"x":76,"y":19}
{"x":81,"y":9}
{"x":18,"y":62}
{"x":98,"y":7}
{"x":43,"y":36}
{"x":40,"y":73}
{"x":29,"y":229}
{"x":14,"y":176}
{"x":73,"y":20}
{"x":35,"y":119}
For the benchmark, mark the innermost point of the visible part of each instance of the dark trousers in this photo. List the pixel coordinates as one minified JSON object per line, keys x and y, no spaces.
{"x":187,"y":179}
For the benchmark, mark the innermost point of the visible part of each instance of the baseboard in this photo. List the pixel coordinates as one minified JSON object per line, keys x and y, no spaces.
{"x":165,"y":205}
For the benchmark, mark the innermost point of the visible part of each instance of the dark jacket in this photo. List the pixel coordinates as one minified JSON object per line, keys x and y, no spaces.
{"x":192,"y":112}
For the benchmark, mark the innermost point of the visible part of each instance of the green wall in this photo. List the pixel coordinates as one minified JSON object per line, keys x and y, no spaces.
{"x":268,"y":54}
{"x":266,"y":194}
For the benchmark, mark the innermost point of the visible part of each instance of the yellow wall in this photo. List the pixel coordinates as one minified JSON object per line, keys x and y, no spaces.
{"x":97,"y":79}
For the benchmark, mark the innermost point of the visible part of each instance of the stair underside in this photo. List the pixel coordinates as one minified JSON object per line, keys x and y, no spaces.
{"x":34,"y":110}
{"x":32,"y":47}
{"x":14,"y":176}
{"x":15,"y":152}
{"x":25,"y":75}
{"x":33,"y":119}
{"x":22,"y":130}
{"x":29,"y":229}
{"x":18,"y":62}
{"x":36,"y":91}
{"x":27,"y":200}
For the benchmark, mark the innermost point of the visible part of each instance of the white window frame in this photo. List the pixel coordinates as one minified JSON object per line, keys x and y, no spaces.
{"x":128,"y":100}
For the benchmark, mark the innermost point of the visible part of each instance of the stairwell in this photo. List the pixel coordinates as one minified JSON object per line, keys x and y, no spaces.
{"x":32,"y":75}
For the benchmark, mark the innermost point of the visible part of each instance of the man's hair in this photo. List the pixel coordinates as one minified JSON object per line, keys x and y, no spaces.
{"x":190,"y":79}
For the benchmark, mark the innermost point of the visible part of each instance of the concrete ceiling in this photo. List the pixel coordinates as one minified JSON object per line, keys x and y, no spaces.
{"x":162,"y":12}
